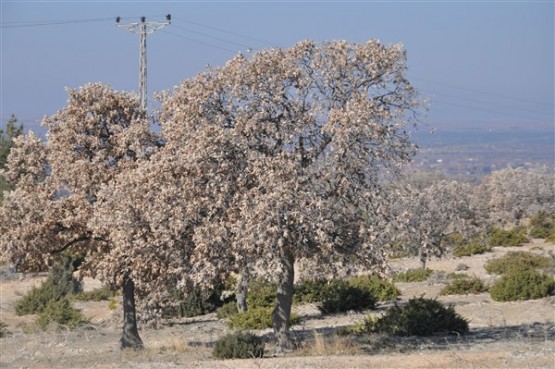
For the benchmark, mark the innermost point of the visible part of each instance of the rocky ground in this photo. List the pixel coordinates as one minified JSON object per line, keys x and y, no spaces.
{"x":502,"y":335}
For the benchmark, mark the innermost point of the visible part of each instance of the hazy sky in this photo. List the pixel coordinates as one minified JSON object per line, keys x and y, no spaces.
{"x":480,"y":63}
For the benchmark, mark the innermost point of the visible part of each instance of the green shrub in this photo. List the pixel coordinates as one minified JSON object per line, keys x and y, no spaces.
{"x":472,"y":248}
{"x":59,"y":283}
{"x":512,"y":237}
{"x":3,"y":329}
{"x":517,"y":259}
{"x":256,"y":318}
{"x":456,"y":275}
{"x":340,"y":296}
{"x":413,"y":275}
{"x":542,"y":225}
{"x":551,"y":237}
{"x":522,"y":283}
{"x":381,"y":289}
{"x":240,"y":345}
{"x":62,"y":313}
{"x":227,"y":310}
{"x":309,"y":291}
{"x":419,"y":317}
{"x":464,"y":286}
{"x":103,"y":293}
{"x":261,"y":293}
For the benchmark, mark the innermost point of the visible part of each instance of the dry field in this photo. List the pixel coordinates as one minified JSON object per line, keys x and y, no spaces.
{"x":502,"y":335}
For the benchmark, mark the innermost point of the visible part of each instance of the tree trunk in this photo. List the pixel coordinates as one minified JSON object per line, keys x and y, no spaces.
{"x":284,"y":299}
{"x":423,"y":257}
{"x":130,"y":337}
{"x":241,"y":293}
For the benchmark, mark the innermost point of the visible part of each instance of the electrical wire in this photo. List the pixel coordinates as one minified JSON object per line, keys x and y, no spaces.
{"x":210,"y":36}
{"x":198,"y":41}
{"x":40,"y":23}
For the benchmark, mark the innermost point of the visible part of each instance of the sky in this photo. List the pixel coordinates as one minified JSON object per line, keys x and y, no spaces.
{"x":482,"y":64}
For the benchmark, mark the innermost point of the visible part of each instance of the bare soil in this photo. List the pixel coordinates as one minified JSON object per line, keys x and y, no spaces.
{"x":502,"y":335}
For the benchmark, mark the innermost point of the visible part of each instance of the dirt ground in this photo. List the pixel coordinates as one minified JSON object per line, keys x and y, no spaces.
{"x":502,"y":335}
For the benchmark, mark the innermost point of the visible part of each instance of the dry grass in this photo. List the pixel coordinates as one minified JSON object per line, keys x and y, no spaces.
{"x":331,"y":345}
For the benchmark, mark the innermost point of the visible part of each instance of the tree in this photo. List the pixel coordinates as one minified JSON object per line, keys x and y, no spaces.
{"x":6,"y":143}
{"x":99,"y":134}
{"x":509,"y":195}
{"x":291,"y":150}
{"x":431,"y":210}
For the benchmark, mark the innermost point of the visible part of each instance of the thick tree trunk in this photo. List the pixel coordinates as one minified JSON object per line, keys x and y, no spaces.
{"x":284,"y":299}
{"x":241,"y":293}
{"x":130,"y":337}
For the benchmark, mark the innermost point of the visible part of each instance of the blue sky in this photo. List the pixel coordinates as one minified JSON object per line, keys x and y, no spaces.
{"x":482,"y":64}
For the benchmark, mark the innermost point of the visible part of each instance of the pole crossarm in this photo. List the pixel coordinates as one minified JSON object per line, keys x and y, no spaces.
{"x":143,"y":28}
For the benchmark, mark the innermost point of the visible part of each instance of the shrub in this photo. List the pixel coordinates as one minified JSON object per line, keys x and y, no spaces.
{"x":261,"y":293}
{"x":62,"y":313}
{"x":413,"y":275}
{"x":522,"y":283}
{"x":512,"y":237}
{"x":310,"y":290}
{"x":463,"y":286}
{"x":381,"y":289}
{"x":103,"y":293}
{"x":240,"y":345}
{"x":227,"y":310}
{"x":542,"y":225}
{"x":340,"y":296}
{"x":197,"y":302}
{"x":59,"y":283}
{"x":419,"y":317}
{"x":472,"y":248}
{"x":517,"y":259}
{"x":256,"y":318}
{"x":551,"y":237}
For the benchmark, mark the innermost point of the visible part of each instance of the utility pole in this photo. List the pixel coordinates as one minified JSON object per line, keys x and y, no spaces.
{"x":143,"y":28}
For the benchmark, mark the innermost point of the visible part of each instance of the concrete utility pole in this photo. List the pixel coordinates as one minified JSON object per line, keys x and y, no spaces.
{"x":143,"y":28}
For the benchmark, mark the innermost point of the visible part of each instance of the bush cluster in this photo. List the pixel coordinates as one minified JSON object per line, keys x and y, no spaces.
{"x":542,"y":225}
{"x":59,"y":283}
{"x":62,"y":313}
{"x":261,"y":293}
{"x":413,"y":275}
{"x":309,"y":291}
{"x":522,"y":283}
{"x":517,"y":259}
{"x":381,"y":289}
{"x":103,"y":293}
{"x":473,"y":247}
{"x":256,"y":318}
{"x":3,"y":329}
{"x":463,"y":286}
{"x":418,"y":317}
{"x":340,"y":296}
{"x":512,"y":237}
{"x":242,"y":345}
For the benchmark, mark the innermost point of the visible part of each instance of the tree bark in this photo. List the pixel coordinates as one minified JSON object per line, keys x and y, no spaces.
{"x":130,"y":336}
{"x":241,"y":293}
{"x":284,"y":299}
{"x":423,"y":254}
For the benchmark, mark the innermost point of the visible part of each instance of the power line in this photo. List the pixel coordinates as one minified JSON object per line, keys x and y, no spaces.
{"x":40,"y":23}
{"x":484,"y":92}
{"x":214,"y":37}
{"x":198,"y":41}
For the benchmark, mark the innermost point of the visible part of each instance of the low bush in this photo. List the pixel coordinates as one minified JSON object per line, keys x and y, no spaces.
{"x":309,"y":291}
{"x":103,"y":293}
{"x":512,"y":237}
{"x":517,"y":259}
{"x":340,"y":296}
{"x":256,"y":318}
{"x":542,"y":225}
{"x":522,"y":283}
{"x":59,"y":283}
{"x":463,"y":286}
{"x":261,"y":293}
{"x":471,"y":248}
{"x":551,"y":237}
{"x":419,"y":317}
{"x":62,"y":313}
{"x":197,"y":302}
{"x":240,"y":345}
{"x":227,"y":310}
{"x":413,"y":275}
{"x":381,"y":289}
